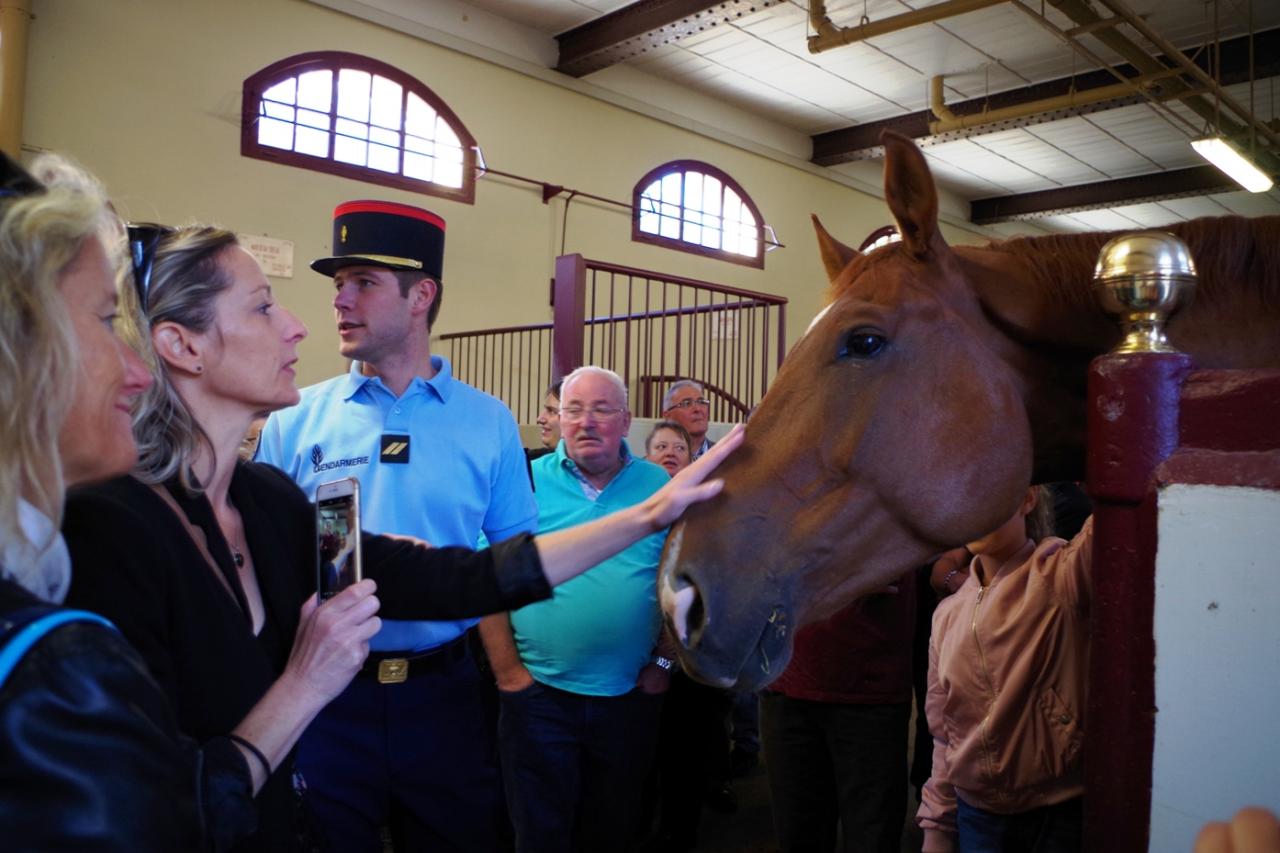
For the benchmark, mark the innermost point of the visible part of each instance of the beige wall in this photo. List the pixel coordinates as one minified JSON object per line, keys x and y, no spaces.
{"x":146,"y":93}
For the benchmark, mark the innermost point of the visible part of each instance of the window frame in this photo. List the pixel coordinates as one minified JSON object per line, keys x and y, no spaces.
{"x":293,"y":66}
{"x":679,"y":244}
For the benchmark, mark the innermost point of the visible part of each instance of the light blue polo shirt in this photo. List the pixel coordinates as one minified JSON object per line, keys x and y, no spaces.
{"x":596,"y":632}
{"x":465,"y":476}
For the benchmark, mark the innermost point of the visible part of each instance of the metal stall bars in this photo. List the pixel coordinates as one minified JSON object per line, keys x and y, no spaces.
{"x":649,"y":327}
{"x":653,"y":329}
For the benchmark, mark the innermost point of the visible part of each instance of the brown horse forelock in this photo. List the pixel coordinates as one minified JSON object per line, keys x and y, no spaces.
{"x":862,"y":266}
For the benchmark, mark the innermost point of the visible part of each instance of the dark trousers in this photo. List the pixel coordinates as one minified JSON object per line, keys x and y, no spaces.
{"x":416,"y":756}
{"x":833,"y":763}
{"x":693,"y":753}
{"x":1050,"y":829}
{"x":573,"y":766}
{"x":746,"y":723}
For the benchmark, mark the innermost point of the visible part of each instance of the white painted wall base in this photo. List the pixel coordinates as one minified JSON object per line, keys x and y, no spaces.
{"x":1217,"y":631}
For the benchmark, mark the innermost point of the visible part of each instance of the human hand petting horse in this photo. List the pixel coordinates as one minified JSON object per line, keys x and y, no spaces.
{"x":934,"y":386}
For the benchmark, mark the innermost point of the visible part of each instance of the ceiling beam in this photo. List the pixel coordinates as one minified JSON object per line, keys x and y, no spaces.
{"x":1158,"y":186}
{"x":862,"y":141}
{"x":643,"y":26}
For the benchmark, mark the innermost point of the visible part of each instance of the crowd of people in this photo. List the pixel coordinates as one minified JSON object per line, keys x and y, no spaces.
{"x":500,"y":677}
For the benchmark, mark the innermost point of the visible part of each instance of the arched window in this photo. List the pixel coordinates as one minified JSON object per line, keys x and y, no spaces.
{"x":357,"y":117}
{"x":882,"y":236}
{"x":695,"y":207}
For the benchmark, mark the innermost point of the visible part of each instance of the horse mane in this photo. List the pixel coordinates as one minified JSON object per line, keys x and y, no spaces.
{"x":1230,"y":253}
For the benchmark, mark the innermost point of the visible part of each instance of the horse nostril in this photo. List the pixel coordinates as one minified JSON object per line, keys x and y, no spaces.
{"x":687,"y":612}
{"x":697,"y":617}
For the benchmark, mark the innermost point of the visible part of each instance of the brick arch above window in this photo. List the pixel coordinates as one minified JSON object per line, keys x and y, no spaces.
{"x":882,"y":236}
{"x":692,"y":206}
{"x":353,"y":116}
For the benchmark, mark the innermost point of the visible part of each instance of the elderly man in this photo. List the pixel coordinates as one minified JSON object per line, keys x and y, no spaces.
{"x":686,"y":404}
{"x":406,"y":744}
{"x":580,"y":691}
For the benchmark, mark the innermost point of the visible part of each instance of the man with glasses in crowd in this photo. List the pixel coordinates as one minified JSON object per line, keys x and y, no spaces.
{"x":685,"y":403}
{"x":581,"y":688}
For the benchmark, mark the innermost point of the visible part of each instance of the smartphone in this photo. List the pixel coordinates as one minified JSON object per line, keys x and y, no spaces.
{"x":337,"y":536}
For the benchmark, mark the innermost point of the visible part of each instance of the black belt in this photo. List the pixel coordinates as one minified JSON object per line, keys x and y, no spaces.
{"x":395,"y":667}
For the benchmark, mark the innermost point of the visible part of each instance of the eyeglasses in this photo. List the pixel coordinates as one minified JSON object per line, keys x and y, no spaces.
{"x":144,"y":239}
{"x":573,"y":414}
{"x":684,"y":404}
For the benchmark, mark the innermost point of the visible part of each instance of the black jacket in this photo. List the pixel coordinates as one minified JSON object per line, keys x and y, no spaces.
{"x":91,"y":758}
{"x":134,"y":561}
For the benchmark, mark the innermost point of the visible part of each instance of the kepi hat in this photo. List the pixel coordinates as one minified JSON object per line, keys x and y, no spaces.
{"x":385,"y":234}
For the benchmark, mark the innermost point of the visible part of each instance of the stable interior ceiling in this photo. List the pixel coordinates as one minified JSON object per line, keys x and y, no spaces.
{"x":754,"y":57}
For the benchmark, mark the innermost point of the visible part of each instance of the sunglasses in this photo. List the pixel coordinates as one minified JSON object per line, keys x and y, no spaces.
{"x":15,"y":181}
{"x":144,"y":239}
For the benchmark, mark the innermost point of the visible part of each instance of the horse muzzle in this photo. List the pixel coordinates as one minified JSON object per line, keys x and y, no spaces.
{"x":744,"y":650}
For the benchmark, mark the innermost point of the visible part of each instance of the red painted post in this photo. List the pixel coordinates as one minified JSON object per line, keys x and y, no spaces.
{"x":1133,"y":427}
{"x":568,"y":315}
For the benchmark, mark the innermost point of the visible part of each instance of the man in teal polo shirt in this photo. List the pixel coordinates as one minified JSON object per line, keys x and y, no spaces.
{"x":406,"y":744}
{"x":581,"y":692}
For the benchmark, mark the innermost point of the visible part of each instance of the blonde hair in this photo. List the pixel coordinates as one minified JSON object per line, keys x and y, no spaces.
{"x":186,"y":279}
{"x":41,"y":234}
{"x":1041,"y":518}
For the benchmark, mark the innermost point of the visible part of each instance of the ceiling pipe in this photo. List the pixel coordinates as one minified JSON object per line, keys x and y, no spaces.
{"x":829,"y":36}
{"x":948,"y":121}
{"x":15,"y":21}
{"x":1084,"y":15}
{"x":1190,"y":68}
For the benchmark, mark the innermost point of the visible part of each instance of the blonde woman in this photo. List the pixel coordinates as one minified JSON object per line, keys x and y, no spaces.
{"x":90,"y":758}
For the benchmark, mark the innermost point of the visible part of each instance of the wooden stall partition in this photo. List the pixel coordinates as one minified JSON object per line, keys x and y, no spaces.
{"x":1156,"y":429}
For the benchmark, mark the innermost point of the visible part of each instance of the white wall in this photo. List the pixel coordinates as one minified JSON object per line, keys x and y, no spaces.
{"x":146,"y":93}
{"x":1217,"y":631}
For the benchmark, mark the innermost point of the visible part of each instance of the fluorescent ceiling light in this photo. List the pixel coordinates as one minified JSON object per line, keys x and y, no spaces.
{"x":1235,"y":165}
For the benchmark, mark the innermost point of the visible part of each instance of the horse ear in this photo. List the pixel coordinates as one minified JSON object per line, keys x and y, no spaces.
{"x":835,"y":255}
{"x":909,"y":190}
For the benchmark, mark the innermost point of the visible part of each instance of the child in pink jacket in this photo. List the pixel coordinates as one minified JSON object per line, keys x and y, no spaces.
{"x":1008,"y":664}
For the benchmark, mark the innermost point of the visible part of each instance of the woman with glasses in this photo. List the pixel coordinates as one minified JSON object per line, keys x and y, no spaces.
{"x":90,"y":757}
{"x":204,"y":560}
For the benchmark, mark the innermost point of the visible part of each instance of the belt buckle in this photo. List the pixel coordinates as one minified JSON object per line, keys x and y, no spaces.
{"x":393,"y":670}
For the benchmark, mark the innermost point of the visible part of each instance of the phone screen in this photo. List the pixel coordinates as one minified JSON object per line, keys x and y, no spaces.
{"x":337,"y":542}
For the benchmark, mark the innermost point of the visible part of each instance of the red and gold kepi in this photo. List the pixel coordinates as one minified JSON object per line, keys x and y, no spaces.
{"x":385,"y":234}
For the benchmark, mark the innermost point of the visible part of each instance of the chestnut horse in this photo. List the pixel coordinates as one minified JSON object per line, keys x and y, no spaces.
{"x":933,"y":388}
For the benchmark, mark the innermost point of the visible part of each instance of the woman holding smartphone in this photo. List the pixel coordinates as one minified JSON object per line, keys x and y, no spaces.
{"x":203,"y":560}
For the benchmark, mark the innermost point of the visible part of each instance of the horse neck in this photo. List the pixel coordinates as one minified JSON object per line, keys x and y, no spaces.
{"x":1036,"y":292}
{"x":1046,"y":327}
{"x":1042,"y":286}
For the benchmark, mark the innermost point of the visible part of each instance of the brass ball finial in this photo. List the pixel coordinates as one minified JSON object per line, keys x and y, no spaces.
{"x":1143,"y":279}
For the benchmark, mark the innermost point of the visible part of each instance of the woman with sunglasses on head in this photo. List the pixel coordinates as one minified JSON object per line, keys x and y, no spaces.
{"x":91,"y":758}
{"x":203,"y":560}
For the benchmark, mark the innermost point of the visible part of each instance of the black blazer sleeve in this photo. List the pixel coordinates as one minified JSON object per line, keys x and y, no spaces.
{"x":415,"y":582}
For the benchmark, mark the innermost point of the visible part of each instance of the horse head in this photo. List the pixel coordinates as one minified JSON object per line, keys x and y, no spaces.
{"x":894,"y":429}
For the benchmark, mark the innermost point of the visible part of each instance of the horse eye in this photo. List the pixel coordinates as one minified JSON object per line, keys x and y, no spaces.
{"x":862,"y":344}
